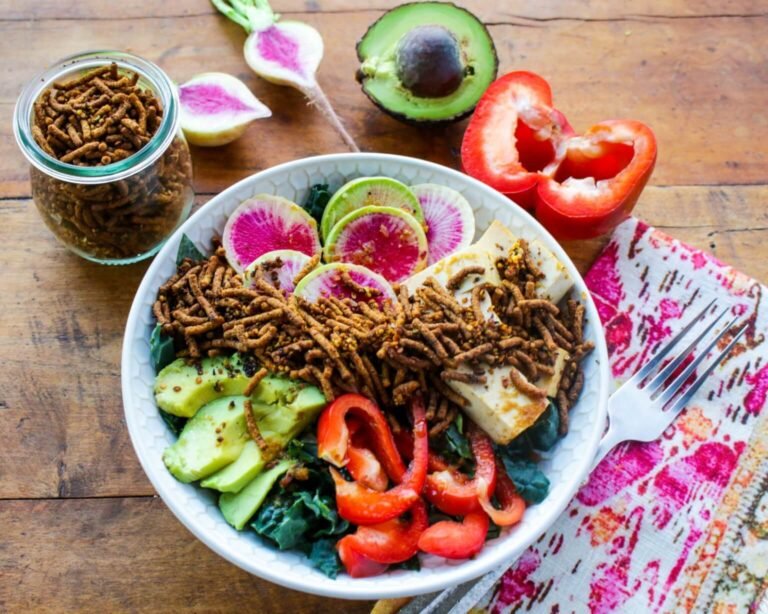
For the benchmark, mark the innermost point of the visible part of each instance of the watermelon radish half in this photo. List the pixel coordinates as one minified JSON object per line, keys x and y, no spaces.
{"x":449,"y":217}
{"x":389,"y":241}
{"x":327,"y":280}
{"x":266,"y":223}
{"x":279,"y":268}
{"x":369,"y":192}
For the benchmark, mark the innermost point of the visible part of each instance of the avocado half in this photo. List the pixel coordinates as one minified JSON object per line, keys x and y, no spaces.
{"x":426,"y":62}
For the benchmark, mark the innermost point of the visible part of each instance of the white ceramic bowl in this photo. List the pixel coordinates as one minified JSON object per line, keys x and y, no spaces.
{"x":566,"y":466}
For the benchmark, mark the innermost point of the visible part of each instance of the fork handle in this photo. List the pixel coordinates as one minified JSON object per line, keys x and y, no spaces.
{"x":613,"y":437}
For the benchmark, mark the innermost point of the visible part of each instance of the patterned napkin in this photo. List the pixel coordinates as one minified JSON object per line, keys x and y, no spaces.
{"x":678,"y":524}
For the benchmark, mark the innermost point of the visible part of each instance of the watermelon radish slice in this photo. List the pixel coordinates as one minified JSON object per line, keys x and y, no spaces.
{"x":368,"y":192}
{"x":266,"y":223}
{"x":449,"y":217}
{"x":279,"y":268}
{"x":215,"y":108}
{"x":389,"y":241}
{"x":327,"y":281}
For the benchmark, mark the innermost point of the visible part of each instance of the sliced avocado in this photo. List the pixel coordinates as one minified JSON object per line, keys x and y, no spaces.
{"x":426,"y":62}
{"x":278,"y":424}
{"x":212,"y":439}
{"x":239,"y":508}
{"x":181,"y":389}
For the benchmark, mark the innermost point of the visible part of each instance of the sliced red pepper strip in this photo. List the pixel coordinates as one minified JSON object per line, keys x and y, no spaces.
{"x":514,"y":133}
{"x":453,"y":492}
{"x":361,"y":505}
{"x":357,"y":565}
{"x":393,"y":541}
{"x":512,"y":504}
{"x":333,"y":433}
{"x":366,"y":469}
{"x":456,"y":540}
{"x":598,"y":181}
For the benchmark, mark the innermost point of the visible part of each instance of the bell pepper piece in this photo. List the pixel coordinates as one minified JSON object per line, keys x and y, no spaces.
{"x":512,"y":504}
{"x":598,"y":180}
{"x":333,"y":433}
{"x":356,"y":564}
{"x":362,"y":505}
{"x":393,"y":541}
{"x":456,"y":540}
{"x":451,"y":491}
{"x":366,"y":469}
{"x":514,"y":133}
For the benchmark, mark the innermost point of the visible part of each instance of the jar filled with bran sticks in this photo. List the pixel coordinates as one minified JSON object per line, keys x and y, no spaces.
{"x":110,"y":171}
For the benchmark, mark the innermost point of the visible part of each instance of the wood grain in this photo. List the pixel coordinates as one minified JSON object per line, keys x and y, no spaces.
{"x":694,"y":81}
{"x":126,"y":555}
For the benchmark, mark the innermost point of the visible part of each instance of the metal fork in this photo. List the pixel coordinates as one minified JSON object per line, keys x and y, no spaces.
{"x":646,"y":404}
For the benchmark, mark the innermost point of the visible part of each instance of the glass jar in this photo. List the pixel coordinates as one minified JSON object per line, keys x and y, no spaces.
{"x":123,"y":211}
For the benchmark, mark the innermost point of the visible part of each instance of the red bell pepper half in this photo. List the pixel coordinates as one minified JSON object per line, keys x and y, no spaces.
{"x":456,"y":540}
{"x":362,"y":505}
{"x":393,"y":541}
{"x":577,"y":186}
{"x":598,"y":181}
{"x":514,"y":133}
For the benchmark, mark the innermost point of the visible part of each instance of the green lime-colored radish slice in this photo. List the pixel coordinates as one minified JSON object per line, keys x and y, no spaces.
{"x":388,"y":241}
{"x":367,"y":192}
{"x":449,"y":218}
{"x":279,"y":268}
{"x":327,"y":280}
{"x":266,"y":223}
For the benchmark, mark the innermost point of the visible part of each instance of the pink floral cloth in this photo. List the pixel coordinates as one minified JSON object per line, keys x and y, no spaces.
{"x":678,"y":524}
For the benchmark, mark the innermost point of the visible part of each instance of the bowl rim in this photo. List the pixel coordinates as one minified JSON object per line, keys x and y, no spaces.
{"x":452,"y":575}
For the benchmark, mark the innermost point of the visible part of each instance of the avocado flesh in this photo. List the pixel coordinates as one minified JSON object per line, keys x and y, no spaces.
{"x":212,"y":439}
{"x":182,"y":389}
{"x":378,"y":73}
{"x":278,"y":424}
{"x":239,"y":508}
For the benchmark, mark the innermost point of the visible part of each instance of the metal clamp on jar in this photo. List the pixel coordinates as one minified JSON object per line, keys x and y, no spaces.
{"x":111,"y":173}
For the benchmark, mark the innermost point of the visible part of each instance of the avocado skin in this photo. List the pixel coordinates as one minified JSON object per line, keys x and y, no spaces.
{"x":402,"y":116}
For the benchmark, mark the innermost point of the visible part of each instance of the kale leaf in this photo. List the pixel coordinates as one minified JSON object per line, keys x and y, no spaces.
{"x":529,"y":480}
{"x":303,"y":516}
{"x":187,"y":249}
{"x":543,"y":435}
{"x":175,"y":423}
{"x":161,"y":351}
{"x":325,"y":558}
{"x":317,"y":199}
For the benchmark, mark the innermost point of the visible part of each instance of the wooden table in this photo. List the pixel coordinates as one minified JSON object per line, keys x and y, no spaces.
{"x":81,"y":527}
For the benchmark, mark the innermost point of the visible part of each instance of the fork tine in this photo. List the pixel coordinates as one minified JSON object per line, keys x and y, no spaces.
{"x":664,"y":374}
{"x":683,"y":399}
{"x":681,"y":379}
{"x":656,"y":359}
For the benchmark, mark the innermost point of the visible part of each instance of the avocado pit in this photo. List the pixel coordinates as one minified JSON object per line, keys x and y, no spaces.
{"x":428,"y":61}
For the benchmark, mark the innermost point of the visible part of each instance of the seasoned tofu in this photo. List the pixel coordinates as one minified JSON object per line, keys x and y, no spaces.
{"x":498,"y":240}
{"x":552,"y":382}
{"x":446,"y":268}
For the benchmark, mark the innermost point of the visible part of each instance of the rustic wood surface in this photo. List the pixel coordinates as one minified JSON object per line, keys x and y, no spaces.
{"x":82,"y":529}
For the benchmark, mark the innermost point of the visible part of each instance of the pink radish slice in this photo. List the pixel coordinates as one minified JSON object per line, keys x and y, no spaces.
{"x":216,"y":108}
{"x":386,"y":240}
{"x":283,"y":52}
{"x":266,"y":223}
{"x":449,"y":218}
{"x":327,"y":281}
{"x":279,"y":268}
